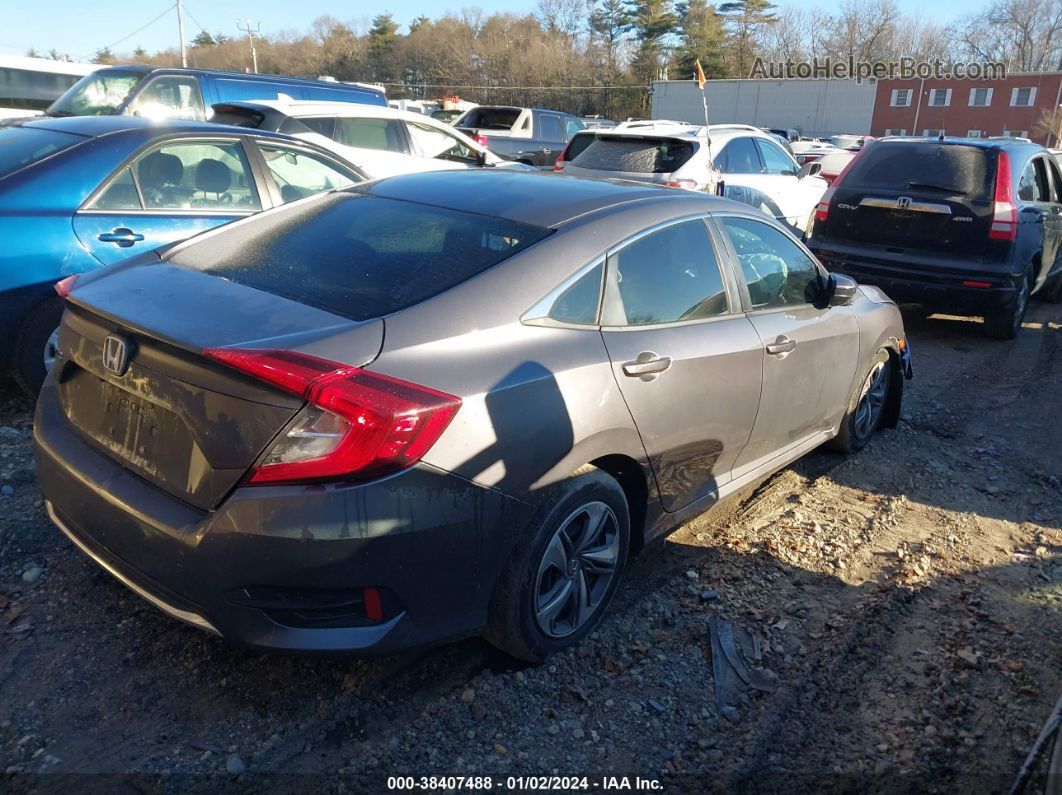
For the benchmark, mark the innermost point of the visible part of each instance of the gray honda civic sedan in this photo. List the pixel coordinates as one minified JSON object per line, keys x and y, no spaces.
{"x":443,"y":404}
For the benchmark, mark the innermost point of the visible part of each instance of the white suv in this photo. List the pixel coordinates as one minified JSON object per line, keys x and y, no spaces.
{"x":381,"y":141}
{"x":748,"y":162}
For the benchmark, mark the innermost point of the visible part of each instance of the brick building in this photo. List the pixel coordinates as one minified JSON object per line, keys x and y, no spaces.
{"x":975,"y":108}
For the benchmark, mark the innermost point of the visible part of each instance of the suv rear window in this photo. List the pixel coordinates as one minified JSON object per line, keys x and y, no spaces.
{"x":491,"y":118}
{"x":637,"y":155}
{"x":358,"y":256}
{"x":937,"y":168}
{"x":21,"y":146}
{"x":578,"y":144}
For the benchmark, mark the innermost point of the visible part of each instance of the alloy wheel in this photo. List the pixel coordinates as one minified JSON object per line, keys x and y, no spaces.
{"x":576,"y":569}
{"x":872,"y":400}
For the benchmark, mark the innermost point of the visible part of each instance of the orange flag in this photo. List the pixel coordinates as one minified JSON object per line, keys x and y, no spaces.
{"x":701,"y":79}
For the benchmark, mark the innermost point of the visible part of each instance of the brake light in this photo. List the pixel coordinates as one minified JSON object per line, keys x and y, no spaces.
{"x":480,"y":139}
{"x":558,"y":164}
{"x":685,"y":184}
{"x":357,"y":424}
{"x":971,"y":283}
{"x":64,"y":286}
{"x":1005,"y":214}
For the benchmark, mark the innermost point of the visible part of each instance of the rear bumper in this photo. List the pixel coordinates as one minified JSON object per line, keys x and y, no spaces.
{"x":923,"y":280}
{"x":428,"y":540}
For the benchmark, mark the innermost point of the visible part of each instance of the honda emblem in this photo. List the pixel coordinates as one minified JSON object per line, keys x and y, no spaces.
{"x":903,"y":202}
{"x":115,"y":355}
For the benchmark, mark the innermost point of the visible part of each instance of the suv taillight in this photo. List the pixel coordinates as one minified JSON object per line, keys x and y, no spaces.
{"x":822,"y":211}
{"x":356,"y":425}
{"x":480,"y":139}
{"x":1004,"y":214}
{"x":558,"y":164}
{"x":64,"y":286}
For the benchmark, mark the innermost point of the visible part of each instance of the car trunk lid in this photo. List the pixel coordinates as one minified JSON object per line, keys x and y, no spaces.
{"x":134,"y":384}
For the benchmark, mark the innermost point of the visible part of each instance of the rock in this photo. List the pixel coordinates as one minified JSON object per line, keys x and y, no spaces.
{"x":32,"y":574}
{"x":234,"y":765}
{"x":578,"y":734}
{"x":7,"y":433}
{"x":693,"y":575}
{"x":709,"y":594}
{"x":967,"y":655}
{"x":501,"y":750}
{"x":7,"y":490}
{"x":553,"y":728}
{"x":468,"y":695}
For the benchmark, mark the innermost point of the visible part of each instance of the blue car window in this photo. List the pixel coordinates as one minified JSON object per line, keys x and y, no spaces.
{"x":192,"y":175}
{"x":121,"y":194}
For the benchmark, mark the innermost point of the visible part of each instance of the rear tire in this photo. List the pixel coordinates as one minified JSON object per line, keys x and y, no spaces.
{"x":1003,"y":324}
{"x":866,"y":408}
{"x":563,"y":570}
{"x":35,"y":343}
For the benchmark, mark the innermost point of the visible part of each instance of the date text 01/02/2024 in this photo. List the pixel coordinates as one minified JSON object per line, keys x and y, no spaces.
{"x":523,"y":783}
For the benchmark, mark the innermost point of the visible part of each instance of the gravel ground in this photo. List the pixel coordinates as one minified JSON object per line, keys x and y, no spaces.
{"x":907,"y":602}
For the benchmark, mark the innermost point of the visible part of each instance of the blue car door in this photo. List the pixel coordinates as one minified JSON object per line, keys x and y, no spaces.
{"x":171,"y":191}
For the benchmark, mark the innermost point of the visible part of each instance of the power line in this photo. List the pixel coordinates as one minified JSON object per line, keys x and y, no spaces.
{"x":196,"y":21}
{"x":126,"y":38}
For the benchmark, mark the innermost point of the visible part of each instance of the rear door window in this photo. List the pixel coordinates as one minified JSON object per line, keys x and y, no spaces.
{"x":323,"y":125}
{"x":193,"y":175}
{"x":550,"y":128}
{"x":356,"y":255}
{"x":670,"y":276}
{"x":429,"y":141}
{"x":491,"y":118}
{"x":935,"y":168}
{"x":636,"y":155}
{"x":370,"y":133}
{"x":775,"y":161}
{"x":741,"y":157}
{"x":170,"y":97}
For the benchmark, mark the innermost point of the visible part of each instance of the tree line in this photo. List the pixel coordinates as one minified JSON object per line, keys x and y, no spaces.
{"x":600,"y":56}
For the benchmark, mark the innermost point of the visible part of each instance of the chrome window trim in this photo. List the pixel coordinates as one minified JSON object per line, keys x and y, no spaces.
{"x":538,"y":314}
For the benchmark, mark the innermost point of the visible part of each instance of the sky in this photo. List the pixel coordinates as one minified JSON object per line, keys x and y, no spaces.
{"x":79,"y":28}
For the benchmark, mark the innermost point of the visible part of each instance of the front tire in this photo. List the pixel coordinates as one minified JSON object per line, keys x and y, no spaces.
{"x":563,"y":572}
{"x":35,"y":345}
{"x":866,"y":409}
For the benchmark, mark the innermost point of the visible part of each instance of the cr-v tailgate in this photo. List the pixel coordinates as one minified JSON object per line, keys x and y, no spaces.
{"x":182,"y":422}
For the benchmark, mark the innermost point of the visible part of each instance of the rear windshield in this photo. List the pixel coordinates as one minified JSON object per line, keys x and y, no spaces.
{"x":638,"y":155}
{"x":20,"y":146}
{"x":358,"y":256}
{"x":578,"y":144}
{"x":936,"y":168}
{"x":491,"y":118}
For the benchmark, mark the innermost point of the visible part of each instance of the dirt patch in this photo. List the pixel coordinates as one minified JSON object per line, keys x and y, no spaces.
{"x":907,"y":600}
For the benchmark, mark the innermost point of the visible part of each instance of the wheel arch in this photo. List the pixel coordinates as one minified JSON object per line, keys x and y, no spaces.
{"x":632,"y":479}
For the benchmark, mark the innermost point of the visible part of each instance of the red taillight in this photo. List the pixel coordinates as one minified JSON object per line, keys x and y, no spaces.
{"x":358,"y":424}
{"x":1005,"y":214}
{"x":558,"y":164}
{"x":64,"y":286}
{"x":480,"y":139}
{"x":971,"y":283}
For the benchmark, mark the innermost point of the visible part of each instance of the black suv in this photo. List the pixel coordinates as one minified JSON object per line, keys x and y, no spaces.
{"x":968,"y":224}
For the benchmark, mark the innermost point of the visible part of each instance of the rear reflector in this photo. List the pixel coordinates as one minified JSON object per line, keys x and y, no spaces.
{"x":1005,"y":214}
{"x":558,"y":164}
{"x":969,"y":283}
{"x":64,"y":286}
{"x":358,"y":424}
{"x":480,"y":139}
{"x":685,"y":184}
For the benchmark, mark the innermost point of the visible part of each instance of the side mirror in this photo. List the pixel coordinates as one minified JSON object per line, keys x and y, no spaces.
{"x":809,"y":169}
{"x":841,"y":290}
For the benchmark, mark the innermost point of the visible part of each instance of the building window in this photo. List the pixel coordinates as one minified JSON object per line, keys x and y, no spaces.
{"x":1022,"y":97}
{"x":932,"y":133}
{"x":1015,"y":133}
{"x":980,"y":97}
{"x":973,"y":133}
{"x":939,"y":97}
{"x":894,"y":131}
{"x":901,"y":98}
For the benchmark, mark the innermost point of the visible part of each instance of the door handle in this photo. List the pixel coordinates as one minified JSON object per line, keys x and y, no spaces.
{"x":546,"y":150}
{"x":647,"y":366}
{"x":122,"y":236}
{"x":781,"y":345}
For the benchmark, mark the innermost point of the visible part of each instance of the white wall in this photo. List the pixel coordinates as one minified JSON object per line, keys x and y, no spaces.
{"x":815,"y":107}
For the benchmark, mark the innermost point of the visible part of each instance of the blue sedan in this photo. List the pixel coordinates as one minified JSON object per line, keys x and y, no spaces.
{"x":80,"y":193}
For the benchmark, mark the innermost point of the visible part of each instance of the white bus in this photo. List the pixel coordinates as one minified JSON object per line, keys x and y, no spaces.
{"x":29,"y":85}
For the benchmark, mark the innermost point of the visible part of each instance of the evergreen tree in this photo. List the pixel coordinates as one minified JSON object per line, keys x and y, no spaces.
{"x":746,"y":20}
{"x":204,"y":39}
{"x":702,"y":38}
{"x":652,"y":22}
{"x":382,"y":37}
{"x":104,"y":55}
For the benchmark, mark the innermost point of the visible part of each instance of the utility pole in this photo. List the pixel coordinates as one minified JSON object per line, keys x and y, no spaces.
{"x":250,"y":31}
{"x":180,"y":32}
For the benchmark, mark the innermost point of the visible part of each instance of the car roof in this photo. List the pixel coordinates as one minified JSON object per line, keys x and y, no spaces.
{"x":1007,"y":144}
{"x":97,"y":126}
{"x":537,"y":198}
{"x":144,"y":68}
{"x":302,"y":108}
